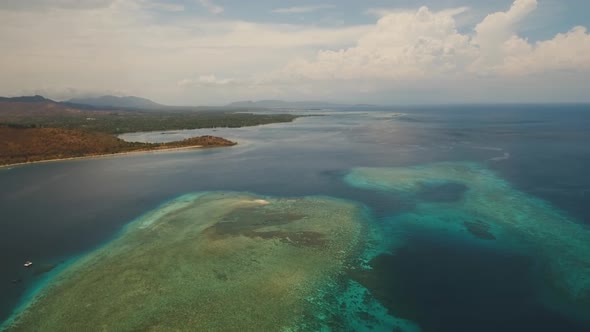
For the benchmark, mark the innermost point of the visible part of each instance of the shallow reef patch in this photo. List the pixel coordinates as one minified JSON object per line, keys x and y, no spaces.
{"x":218,"y":261}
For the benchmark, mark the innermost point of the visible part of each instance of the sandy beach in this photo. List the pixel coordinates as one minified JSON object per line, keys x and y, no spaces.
{"x":105,"y":155}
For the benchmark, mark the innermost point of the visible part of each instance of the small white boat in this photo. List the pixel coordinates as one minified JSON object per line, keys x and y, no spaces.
{"x":28,"y":263}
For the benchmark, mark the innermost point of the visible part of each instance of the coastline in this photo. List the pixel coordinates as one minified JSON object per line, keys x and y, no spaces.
{"x":95,"y":156}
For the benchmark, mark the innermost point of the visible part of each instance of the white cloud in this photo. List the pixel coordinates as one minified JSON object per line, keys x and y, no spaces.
{"x":211,"y":7}
{"x":566,"y":51}
{"x":122,"y":45}
{"x":302,"y":9}
{"x":426,"y":45}
{"x":36,"y":5}
{"x":380,"y":12}
{"x":497,"y":29}
{"x":207,"y":80}
{"x":401,"y":45}
{"x":163,"y":6}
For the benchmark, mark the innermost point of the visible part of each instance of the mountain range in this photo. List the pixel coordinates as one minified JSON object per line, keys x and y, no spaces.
{"x":290,"y":104}
{"x":138,"y":103}
{"x":128,"y":102}
{"x":26,"y":99}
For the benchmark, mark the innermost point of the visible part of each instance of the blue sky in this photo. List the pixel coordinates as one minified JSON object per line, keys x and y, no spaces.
{"x":556,"y":15}
{"x":218,"y":51}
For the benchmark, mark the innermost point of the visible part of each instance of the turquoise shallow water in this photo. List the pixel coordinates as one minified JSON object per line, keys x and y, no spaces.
{"x":489,"y":210}
{"x":198,"y":260}
{"x":487,"y":233}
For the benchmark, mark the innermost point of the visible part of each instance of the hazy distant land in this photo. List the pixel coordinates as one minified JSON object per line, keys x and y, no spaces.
{"x":281,"y":104}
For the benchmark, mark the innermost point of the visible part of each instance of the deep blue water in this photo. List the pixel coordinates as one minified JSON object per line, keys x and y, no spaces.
{"x":51,"y":212}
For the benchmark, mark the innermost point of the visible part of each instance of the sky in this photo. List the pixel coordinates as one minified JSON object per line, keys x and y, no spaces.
{"x":212,"y":52}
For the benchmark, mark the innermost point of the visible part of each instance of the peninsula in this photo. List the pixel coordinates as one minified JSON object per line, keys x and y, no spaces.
{"x":35,"y":128}
{"x":26,"y":145}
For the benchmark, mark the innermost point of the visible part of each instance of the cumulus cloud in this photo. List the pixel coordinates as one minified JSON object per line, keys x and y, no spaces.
{"x":164,"y":6}
{"x":401,"y":45}
{"x":566,"y":51}
{"x":207,"y":80}
{"x":423,"y":44}
{"x":211,"y":7}
{"x":123,"y":45}
{"x":497,"y":29}
{"x":302,"y":9}
{"x":380,"y":12}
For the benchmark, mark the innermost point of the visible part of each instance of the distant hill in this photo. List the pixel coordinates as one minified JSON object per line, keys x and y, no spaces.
{"x":128,"y":102}
{"x":26,"y":99}
{"x":289,"y":104}
{"x":32,"y":106}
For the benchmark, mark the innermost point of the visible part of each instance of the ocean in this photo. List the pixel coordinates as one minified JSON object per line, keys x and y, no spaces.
{"x":478,"y":215}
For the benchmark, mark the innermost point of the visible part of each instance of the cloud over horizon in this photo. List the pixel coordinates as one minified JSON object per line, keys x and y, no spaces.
{"x":302,"y":9}
{"x":424,"y":44}
{"x":404,"y":55}
{"x":211,"y":7}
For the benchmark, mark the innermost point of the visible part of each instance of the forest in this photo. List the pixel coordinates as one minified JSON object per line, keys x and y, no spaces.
{"x":58,"y":115}
{"x":35,"y":131}
{"x":22,"y":145}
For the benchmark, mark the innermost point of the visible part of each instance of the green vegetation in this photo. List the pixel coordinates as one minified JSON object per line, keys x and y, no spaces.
{"x":21,"y":145}
{"x":118,"y":122}
{"x":43,"y":130}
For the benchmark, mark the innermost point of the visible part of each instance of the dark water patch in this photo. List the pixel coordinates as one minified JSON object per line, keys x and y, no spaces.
{"x":334,"y":173}
{"x":250,"y":221}
{"x":220,"y":275}
{"x":453,"y":288}
{"x":43,"y":268}
{"x":410,"y":119}
{"x":446,"y":192}
{"x":559,"y":297}
{"x":479,"y":229}
{"x":298,"y":239}
{"x":252,"y":218}
{"x":382,"y":203}
{"x":457,"y":134}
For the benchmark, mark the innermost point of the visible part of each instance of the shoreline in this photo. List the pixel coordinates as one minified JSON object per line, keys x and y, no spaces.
{"x":96,"y":156}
